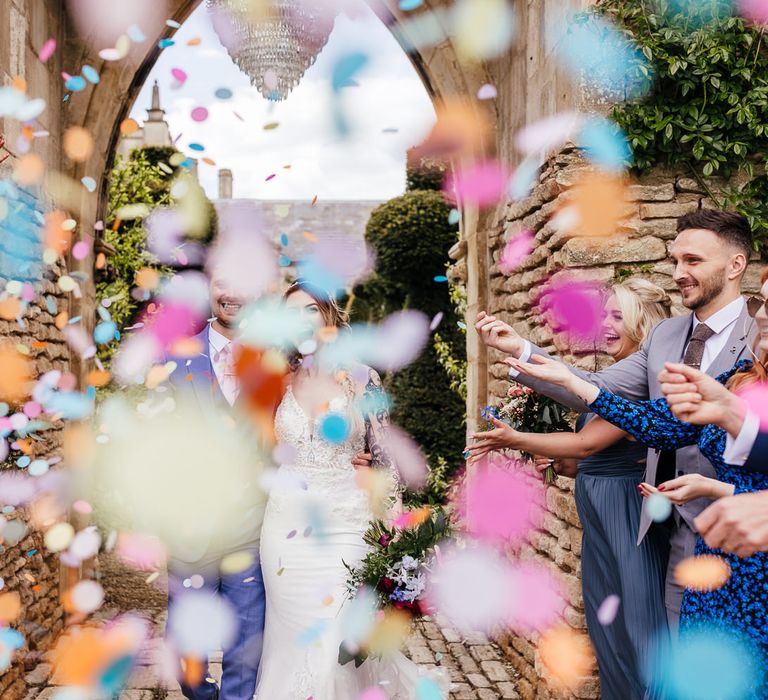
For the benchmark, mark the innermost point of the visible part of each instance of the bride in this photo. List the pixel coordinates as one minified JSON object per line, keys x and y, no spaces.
{"x":314,"y":524}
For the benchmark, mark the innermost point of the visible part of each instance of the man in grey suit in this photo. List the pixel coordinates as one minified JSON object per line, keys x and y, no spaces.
{"x":710,"y":253}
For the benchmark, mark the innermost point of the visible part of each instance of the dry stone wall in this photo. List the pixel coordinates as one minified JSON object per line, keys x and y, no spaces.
{"x":638,"y":248}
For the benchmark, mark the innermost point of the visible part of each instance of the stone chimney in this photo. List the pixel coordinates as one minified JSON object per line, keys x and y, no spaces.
{"x":225,"y":183}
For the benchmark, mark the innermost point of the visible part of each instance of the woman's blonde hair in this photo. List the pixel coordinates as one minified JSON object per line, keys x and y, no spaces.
{"x":643,"y":304}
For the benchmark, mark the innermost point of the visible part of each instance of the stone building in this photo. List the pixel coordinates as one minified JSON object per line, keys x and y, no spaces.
{"x":530,"y":85}
{"x":153,"y":132}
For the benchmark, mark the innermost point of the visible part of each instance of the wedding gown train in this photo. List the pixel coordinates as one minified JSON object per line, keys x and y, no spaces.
{"x":314,"y":523}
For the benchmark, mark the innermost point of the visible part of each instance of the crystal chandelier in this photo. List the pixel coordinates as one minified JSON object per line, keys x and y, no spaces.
{"x":275,"y":46}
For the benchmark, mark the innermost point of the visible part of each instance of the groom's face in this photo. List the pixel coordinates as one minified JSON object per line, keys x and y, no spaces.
{"x":225,"y":302}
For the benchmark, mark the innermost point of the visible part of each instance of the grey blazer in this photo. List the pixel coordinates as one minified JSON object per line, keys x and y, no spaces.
{"x":636,"y":378}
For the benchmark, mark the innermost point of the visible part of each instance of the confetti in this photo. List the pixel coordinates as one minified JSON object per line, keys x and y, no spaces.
{"x":128,"y":127}
{"x":574,"y":308}
{"x":408,"y":5}
{"x":59,"y":537}
{"x":271,"y":126}
{"x":755,"y":395}
{"x":658,"y":507}
{"x":516,"y":250}
{"x":482,"y":184}
{"x":483,"y":28}
{"x":567,"y":656}
{"x":606,"y":613}
{"x":78,"y":143}
{"x":47,"y":50}
{"x":487,"y":92}
{"x":75,"y":83}
{"x":199,"y":114}
{"x":334,"y":428}
{"x":179,"y":75}
{"x":223,"y":93}
{"x":91,"y":74}
{"x":29,"y":170}
{"x":705,"y":572}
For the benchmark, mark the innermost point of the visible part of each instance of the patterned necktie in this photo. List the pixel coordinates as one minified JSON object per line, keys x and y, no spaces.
{"x":224,"y":362}
{"x":695,"y":350}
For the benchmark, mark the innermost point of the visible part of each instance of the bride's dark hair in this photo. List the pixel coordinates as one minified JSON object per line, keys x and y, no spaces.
{"x":329,"y":308}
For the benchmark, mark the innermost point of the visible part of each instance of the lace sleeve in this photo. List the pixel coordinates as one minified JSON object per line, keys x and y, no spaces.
{"x":377,"y":422}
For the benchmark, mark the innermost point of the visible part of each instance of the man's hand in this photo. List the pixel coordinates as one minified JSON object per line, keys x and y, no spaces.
{"x":497,"y":334}
{"x":363,"y":459}
{"x":737,"y":524}
{"x":695,"y":397}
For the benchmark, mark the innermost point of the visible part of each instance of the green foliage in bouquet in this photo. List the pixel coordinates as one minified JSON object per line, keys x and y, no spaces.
{"x":395,"y":568}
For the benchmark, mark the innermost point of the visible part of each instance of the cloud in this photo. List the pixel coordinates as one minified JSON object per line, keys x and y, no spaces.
{"x":370,"y":164}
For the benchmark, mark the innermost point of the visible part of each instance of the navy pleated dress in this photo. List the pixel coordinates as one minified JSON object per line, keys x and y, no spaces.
{"x":612,"y":563}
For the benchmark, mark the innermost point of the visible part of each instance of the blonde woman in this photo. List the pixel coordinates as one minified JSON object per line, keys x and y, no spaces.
{"x":609,"y":467}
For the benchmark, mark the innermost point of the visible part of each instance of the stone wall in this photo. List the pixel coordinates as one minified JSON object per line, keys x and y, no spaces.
{"x":639,"y":247}
{"x":26,"y":567}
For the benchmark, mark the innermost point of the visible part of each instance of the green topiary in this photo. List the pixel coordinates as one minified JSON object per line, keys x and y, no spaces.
{"x":411,"y":236}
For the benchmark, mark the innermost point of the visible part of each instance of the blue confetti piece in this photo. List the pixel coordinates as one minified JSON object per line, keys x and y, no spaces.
{"x":165,"y":43}
{"x":284,"y":240}
{"x":135,"y":34}
{"x":197,"y":146}
{"x":31,"y":552}
{"x":187,"y":163}
{"x":334,"y":428}
{"x":427,"y":689}
{"x":346,"y":68}
{"x":104,"y":332}
{"x":4,"y":408}
{"x":284,"y":261}
{"x":89,"y":183}
{"x":408,"y":5}
{"x":23,"y":461}
{"x":91,"y":74}
{"x":454,"y":217}
{"x":223,"y":93}
{"x":11,"y":638}
{"x":658,"y":507}
{"x":71,"y":405}
{"x":74,"y":319}
{"x":50,"y":304}
{"x":75,"y":83}
{"x":605,"y":144}
{"x":440,"y":278}
{"x":90,"y":392}
{"x":65,"y":98}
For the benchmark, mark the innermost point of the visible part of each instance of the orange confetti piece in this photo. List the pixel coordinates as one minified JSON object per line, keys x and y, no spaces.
{"x":193,"y":671}
{"x":57,"y":236}
{"x":597,"y":206}
{"x":186,"y":347}
{"x":29,"y":170}
{"x":314,"y":200}
{"x":310,"y":236}
{"x":209,"y":161}
{"x":101,"y":261}
{"x":147,"y":278}
{"x":19,"y":84}
{"x":10,"y":308}
{"x":10,"y":606}
{"x":39,"y":344}
{"x":15,"y":375}
{"x":128,"y":127}
{"x":194,"y":41}
{"x":567,"y":655}
{"x":61,"y":319}
{"x":286,"y":167}
{"x":78,"y":143}
{"x":98,"y":377}
{"x":703,"y":573}
{"x":25,"y":445}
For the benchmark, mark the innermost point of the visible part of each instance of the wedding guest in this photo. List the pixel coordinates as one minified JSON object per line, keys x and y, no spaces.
{"x":610,"y":466}
{"x":710,"y":255}
{"x":738,"y":606}
{"x":736,"y":524}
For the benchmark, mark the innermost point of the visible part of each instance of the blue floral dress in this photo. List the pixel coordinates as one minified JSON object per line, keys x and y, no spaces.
{"x":741,"y":605}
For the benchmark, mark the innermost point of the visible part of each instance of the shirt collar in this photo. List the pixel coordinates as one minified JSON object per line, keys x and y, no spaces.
{"x":216,"y":340}
{"x":720,"y":320}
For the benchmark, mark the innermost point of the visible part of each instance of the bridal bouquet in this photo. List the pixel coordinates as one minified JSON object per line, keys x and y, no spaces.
{"x":396,"y":567}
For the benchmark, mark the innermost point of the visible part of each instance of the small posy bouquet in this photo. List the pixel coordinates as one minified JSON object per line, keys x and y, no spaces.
{"x":396,"y":567}
{"x":531,"y":412}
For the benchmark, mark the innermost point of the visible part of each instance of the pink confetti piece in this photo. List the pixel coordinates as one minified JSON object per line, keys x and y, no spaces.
{"x":181,"y":77}
{"x":482,"y":184}
{"x":80,"y":250}
{"x":47,"y":50}
{"x":754,"y":10}
{"x":517,"y":249}
{"x":199,"y":114}
{"x":269,"y":177}
{"x":574,"y":308}
{"x":542,"y":596}
{"x":501,"y":504}
{"x":606,"y":613}
{"x":756,"y":397}
{"x":546,"y":134}
{"x":438,"y":317}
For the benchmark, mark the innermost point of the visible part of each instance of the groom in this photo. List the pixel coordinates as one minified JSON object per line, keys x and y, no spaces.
{"x":210,"y":377}
{"x":710,"y":254}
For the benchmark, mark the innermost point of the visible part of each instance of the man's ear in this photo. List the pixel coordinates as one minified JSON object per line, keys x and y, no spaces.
{"x":739,"y":264}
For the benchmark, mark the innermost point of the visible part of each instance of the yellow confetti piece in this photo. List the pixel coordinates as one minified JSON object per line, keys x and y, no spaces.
{"x":236,"y":563}
{"x":152,"y":577}
{"x":58,"y":538}
{"x":271,"y":126}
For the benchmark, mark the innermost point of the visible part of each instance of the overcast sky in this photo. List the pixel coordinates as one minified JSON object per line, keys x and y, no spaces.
{"x":369,"y":164}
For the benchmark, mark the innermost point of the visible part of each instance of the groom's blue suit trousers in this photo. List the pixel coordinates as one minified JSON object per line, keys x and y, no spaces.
{"x":244,"y":591}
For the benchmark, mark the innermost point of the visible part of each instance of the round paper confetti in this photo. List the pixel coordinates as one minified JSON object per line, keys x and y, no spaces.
{"x":78,"y":143}
{"x":128,"y":127}
{"x":80,"y":250}
{"x":87,"y":596}
{"x":334,"y":428}
{"x":179,"y":74}
{"x":236,"y":563}
{"x":58,"y":537}
{"x":89,"y":183}
{"x":487,"y":92}
{"x":223,"y":93}
{"x":29,"y":170}
{"x":75,"y":83}
{"x":47,"y":50}
{"x":91,"y":74}
{"x":606,"y":613}
{"x":703,"y":573}
{"x":658,"y":507}
{"x":66,"y":283}
{"x":38,"y":467}
{"x":199,"y":114}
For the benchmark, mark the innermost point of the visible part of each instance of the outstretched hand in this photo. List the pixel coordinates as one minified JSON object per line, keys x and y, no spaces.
{"x":495,"y":333}
{"x":553,"y":372}
{"x":695,"y":397}
{"x":501,"y":437}
{"x":737,"y":524}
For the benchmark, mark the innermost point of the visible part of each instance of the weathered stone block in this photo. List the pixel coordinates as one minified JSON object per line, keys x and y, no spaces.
{"x":663,"y":210}
{"x":582,"y":252}
{"x":651,"y":193}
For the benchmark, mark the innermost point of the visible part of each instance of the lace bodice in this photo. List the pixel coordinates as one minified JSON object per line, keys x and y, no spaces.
{"x":319,"y":467}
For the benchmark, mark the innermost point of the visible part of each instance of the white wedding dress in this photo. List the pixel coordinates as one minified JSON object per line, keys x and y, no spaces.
{"x":315,"y":520}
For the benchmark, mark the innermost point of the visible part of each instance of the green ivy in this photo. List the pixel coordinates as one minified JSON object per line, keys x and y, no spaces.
{"x":707,"y":111}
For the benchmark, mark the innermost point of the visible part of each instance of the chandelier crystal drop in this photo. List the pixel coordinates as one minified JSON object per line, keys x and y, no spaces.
{"x":275,"y":46}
